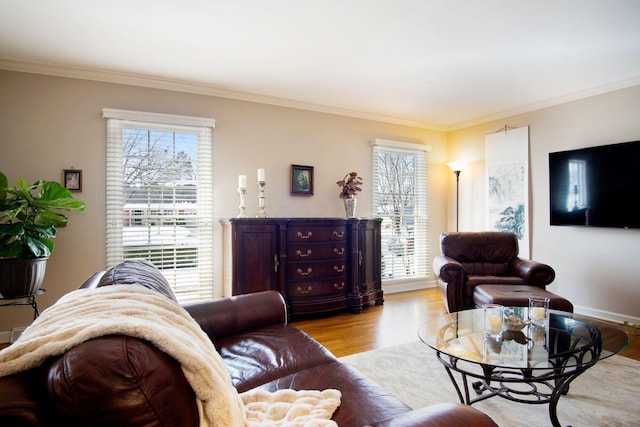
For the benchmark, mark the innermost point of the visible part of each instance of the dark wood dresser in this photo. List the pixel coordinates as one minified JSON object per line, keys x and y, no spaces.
{"x":317,"y":264}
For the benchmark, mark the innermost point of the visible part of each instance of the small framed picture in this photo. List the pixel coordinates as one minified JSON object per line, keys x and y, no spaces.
{"x":72,"y":179}
{"x":302,"y":180}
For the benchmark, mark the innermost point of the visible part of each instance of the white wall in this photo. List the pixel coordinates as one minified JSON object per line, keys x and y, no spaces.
{"x":50,"y":123}
{"x":596,"y":268}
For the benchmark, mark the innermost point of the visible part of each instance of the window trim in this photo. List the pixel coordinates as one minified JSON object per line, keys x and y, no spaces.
{"x":169,"y":119}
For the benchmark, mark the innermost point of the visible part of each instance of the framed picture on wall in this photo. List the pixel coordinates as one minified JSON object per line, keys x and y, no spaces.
{"x":72,"y":179}
{"x":302,"y":180}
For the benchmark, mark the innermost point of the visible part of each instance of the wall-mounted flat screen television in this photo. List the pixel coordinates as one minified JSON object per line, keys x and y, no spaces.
{"x":596,"y":186}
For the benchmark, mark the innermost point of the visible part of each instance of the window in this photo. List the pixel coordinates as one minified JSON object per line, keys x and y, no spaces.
{"x":159,"y":197}
{"x":577,"y":190}
{"x":400,"y":199}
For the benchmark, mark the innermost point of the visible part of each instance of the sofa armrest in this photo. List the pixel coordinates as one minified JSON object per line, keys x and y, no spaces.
{"x":443,"y":414}
{"x":451,"y":278}
{"x":534,"y":273}
{"x":225,"y":317}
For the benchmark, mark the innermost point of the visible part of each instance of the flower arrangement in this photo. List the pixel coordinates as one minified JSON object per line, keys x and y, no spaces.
{"x":350,"y":185}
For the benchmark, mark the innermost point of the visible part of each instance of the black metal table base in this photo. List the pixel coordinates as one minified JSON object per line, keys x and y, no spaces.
{"x":518,"y":385}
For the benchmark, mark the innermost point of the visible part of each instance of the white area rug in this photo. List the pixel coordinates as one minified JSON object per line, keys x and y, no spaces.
{"x":607,"y":394}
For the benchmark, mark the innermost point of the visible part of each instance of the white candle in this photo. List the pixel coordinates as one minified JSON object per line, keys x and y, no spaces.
{"x":261,"y":175}
{"x":242,"y":181}
{"x":537,"y":313}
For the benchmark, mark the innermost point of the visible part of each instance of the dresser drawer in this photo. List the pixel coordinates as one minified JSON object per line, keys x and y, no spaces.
{"x":315,"y":233}
{"x":313,"y":251}
{"x":315,"y":270}
{"x":313,"y":288}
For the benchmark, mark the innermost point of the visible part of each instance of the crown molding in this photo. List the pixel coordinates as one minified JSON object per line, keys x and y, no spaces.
{"x":201,"y":89}
{"x":574,"y":96}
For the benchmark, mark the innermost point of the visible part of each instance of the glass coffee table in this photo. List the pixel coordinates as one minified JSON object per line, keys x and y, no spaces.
{"x":523,"y":362}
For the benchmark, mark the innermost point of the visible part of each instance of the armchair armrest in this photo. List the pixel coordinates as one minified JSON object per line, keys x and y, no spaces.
{"x":448,"y":269}
{"x":443,"y":414}
{"x":534,"y":273}
{"x":451,"y":278}
{"x":224,"y":317}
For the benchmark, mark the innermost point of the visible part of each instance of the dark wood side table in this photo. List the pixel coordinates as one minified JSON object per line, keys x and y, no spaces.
{"x":24,"y":300}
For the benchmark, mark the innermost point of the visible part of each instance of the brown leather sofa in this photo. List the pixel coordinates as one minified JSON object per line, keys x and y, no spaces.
{"x":469,"y":259}
{"x":122,"y":381}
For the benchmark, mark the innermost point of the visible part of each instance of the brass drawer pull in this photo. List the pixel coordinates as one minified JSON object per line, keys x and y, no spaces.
{"x":303,"y":255}
{"x":302,"y":273}
{"x":338,"y":233}
{"x":302,"y":291}
{"x":339,"y":251}
{"x":338,"y":269}
{"x":339,"y":287}
{"x":305,"y":236}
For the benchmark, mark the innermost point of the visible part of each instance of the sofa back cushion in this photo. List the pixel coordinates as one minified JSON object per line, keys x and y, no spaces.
{"x":481,"y":253}
{"x":135,"y":272}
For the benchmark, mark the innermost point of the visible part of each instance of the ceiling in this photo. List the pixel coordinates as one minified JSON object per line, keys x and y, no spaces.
{"x":439,"y":64}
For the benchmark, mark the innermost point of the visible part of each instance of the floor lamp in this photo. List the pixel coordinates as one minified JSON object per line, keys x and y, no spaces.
{"x":456,"y":167}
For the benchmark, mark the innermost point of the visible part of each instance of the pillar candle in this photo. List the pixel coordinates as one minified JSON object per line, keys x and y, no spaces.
{"x":261,"y":175}
{"x":537,"y":313}
{"x":495,"y":323}
{"x":242,"y":181}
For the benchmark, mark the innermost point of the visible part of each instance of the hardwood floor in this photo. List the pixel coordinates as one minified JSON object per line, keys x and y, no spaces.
{"x":395,"y":322}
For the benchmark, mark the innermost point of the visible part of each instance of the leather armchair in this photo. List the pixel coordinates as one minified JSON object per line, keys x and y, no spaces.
{"x":469,"y":259}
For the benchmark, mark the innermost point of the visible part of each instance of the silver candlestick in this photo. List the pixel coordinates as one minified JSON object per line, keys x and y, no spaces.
{"x":261,"y":212}
{"x":243,"y":208}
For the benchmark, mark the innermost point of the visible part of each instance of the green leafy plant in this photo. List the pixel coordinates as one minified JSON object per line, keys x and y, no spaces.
{"x":350,"y":185}
{"x":30,"y":216}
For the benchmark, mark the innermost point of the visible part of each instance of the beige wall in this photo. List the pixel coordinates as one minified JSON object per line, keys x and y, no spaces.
{"x":51,"y":123}
{"x":596,"y":268}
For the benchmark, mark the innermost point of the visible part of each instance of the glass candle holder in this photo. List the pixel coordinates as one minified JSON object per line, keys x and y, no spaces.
{"x":492,"y":319}
{"x":539,"y":311}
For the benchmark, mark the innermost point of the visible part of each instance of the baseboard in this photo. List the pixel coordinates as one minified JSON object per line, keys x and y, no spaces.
{"x":407,"y":285}
{"x":605,"y":315}
{"x":5,"y":337}
{"x":9,"y":337}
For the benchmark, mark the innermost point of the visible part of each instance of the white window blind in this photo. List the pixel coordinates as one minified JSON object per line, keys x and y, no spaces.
{"x":400,"y":198}
{"x":159,"y":197}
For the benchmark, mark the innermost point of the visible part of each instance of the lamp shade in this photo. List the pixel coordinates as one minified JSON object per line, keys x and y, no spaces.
{"x":456,"y":166}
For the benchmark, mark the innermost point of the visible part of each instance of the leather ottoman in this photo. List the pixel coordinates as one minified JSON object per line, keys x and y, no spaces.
{"x":517,"y":296}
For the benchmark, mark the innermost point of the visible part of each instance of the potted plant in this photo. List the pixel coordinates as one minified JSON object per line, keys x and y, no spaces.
{"x":29,"y":218}
{"x":350,"y":185}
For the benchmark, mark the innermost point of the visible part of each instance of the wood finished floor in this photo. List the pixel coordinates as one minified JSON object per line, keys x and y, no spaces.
{"x":395,"y":322}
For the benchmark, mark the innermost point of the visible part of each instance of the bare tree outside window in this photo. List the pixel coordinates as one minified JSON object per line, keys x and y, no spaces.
{"x":152,"y":157}
{"x":398,"y":199}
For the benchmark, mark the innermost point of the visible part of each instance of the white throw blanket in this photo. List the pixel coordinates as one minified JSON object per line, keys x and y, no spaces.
{"x":138,"y":312}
